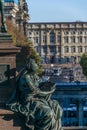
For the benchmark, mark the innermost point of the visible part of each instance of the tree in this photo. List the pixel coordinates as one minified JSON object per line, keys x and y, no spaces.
{"x":27,"y":48}
{"x":83,"y":63}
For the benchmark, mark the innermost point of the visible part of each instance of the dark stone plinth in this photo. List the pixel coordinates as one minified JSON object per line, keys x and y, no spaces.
{"x":7,"y":66}
{"x":6,"y":45}
{"x":5,"y":37}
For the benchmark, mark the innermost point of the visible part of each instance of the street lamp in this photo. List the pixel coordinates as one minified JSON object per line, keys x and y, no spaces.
{"x":51,"y":67}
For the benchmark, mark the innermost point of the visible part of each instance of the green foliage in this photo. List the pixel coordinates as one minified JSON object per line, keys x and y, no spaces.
{"x":27,"y":49}
{"x":37,"y":60}
{"x":83,"y":63}
{"x":26,"y":52}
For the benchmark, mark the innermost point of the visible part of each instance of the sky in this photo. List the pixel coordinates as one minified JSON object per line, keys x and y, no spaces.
{"x":57,"y":10}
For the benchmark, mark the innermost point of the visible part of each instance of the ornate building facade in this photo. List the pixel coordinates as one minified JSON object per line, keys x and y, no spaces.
{"x":18,"y":13}
{"x":59,"y":42}
{"x":10,"y":10}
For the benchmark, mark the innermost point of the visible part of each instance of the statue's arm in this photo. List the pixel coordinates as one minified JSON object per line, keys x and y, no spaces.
{"x":35,"y":89}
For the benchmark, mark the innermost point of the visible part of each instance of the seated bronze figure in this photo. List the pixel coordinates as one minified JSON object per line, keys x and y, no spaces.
{"x":32,"y":99}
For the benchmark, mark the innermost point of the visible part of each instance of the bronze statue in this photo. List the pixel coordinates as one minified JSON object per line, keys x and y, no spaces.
{"x":3,"y":25}
{"x":32,"y":99}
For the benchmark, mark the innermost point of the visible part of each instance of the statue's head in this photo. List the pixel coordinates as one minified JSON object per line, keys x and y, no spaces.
{"x":31,"y":65}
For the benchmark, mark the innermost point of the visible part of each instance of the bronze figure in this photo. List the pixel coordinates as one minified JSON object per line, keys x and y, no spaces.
{"x":3,"y":25}
{"x":32,"y":99}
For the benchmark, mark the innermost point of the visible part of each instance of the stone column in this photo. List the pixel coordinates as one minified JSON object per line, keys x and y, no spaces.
{"x":48,"y":50}
{"x":56,"y":47}
{"x":80,"y":112}
{"x":83,"y":49}
{"x":41,"y":39}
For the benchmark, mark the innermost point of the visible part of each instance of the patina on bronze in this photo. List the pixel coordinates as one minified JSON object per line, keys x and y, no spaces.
{"x":3,"y":24}
{"x":32,"y":98}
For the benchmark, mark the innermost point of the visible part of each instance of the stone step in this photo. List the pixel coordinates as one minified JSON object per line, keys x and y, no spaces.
{"x":11,"y":121}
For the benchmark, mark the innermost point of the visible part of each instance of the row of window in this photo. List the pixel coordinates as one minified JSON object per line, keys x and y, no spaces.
{"x":67,"y":49}
{"x":66,"y":39}
{"x":75,"y":32}
{"x":73,"y":49}
{"x":72,"y":59}
{"x":74,"y":39}
{"x":51,"y":49}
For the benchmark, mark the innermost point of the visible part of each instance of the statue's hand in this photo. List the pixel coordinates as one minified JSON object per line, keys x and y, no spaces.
{"x":47,"y":86}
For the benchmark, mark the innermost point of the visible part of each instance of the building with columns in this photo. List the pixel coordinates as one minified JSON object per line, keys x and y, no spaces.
{"x":59,"y":42}
{"x":22,"y":16}
{"x":10,"y":10}
{"x":18,"y":13}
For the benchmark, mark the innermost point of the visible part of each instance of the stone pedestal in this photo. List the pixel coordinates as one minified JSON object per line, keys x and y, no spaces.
{"x":11,"y":121}
{"x":7,"y":66}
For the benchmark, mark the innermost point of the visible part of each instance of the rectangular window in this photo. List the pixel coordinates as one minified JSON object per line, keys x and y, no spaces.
{"x":73,"y":39}
{"x":65,"y":39}
{"x":59,"y":39}
{"x":45,"y":49}
{"x":79,"y":49}
{"x":73,"y":49}
{"x":52,"y":37}
{"x":36,"y":40}
{"x":80,"y":39}
{"x":44,"y":39}
{"x":66,"y":49}
{"x":52,"y":50}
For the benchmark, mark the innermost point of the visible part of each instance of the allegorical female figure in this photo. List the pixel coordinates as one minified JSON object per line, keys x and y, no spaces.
{"x":32,"y":99}
{"x":3,"y":25}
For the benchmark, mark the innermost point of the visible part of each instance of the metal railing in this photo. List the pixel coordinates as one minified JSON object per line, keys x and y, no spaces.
{"x":71,"y":83}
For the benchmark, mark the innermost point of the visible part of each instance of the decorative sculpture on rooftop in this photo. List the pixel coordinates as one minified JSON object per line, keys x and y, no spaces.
{"x":32,"y":99}
{"x":3,"y":25}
